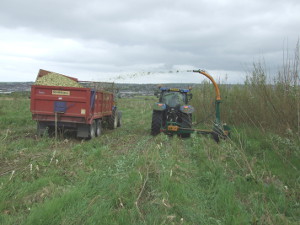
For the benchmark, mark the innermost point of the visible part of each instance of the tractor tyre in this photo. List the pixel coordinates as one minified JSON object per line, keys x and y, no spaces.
{"x":157,"y":118}
{"x":186,"y":123}
{"x":113,"y":120}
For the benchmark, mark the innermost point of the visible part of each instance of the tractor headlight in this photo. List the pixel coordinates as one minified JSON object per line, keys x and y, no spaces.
{"x":187,"y":109}
{"x":159,"y":106}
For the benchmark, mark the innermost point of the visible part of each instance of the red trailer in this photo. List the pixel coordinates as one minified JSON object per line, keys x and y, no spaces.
{"x":82,"y":109}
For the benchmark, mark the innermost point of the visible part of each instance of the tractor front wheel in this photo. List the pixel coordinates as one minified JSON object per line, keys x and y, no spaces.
{"x":157,"y":118}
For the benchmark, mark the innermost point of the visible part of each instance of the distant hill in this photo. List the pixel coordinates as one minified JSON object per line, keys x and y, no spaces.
{"x":124,"y":89}
{"x":9,"y":87}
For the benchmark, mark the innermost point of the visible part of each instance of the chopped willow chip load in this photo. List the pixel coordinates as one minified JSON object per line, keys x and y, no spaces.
{"x":55,"y":79}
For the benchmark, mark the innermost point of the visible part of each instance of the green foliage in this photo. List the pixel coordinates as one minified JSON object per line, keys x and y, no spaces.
{"x":268,"y":102}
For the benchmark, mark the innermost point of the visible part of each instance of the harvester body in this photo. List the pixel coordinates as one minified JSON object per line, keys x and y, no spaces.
{"x":173,"y":115}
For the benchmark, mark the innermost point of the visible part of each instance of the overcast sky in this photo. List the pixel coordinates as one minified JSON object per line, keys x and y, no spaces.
{"x":102,"y":39}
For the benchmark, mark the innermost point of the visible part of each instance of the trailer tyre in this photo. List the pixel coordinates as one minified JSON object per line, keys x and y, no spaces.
{"x":41,"y":128}
{"x":113,"y":120}
{"x":119,"y":119}
{"x":92,"y":130}
{"x":98,"y":128}
{"x":157,"y":118}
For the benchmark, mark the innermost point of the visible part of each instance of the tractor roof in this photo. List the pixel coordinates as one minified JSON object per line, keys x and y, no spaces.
{"x":175,"y":89}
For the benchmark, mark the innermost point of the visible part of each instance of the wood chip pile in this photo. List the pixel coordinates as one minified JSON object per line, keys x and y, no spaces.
{"x":55,"y":79}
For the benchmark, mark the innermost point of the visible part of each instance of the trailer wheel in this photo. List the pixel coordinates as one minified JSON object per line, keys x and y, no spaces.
{"x":41,"y":128}
{"x":92,"y":130}
{"x":113,"y":120}
{"x":119,"y":119}
{"x":157,"y":118}
{"x":98,"y":128}
{"x":51,"y":131}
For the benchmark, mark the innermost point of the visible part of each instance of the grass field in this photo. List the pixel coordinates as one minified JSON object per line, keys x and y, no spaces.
{"x":127,"y":176}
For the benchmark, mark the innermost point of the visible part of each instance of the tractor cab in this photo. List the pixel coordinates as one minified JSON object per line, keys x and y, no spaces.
{"x":174,"y":97}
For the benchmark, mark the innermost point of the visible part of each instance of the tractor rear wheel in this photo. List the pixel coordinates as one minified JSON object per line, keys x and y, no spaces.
{"x":186,"y":123}
{"x":157,"y":118}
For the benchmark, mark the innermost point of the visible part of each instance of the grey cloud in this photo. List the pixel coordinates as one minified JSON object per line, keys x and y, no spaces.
{"x":221,"y":34}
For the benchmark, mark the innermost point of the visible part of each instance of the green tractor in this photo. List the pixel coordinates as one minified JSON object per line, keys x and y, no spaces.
{"x":172,"y":112}
{"x":173,"y":115}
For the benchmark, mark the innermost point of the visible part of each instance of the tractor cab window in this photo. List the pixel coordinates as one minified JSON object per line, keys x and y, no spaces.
{"x":173,"y":99}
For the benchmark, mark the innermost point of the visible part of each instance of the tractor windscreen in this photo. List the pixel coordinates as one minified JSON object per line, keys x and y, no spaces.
{"x":173,"y":99}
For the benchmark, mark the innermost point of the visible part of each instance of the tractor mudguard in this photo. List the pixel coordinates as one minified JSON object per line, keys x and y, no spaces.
{"x":159,"y":106}
{"x":188,"y":109}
